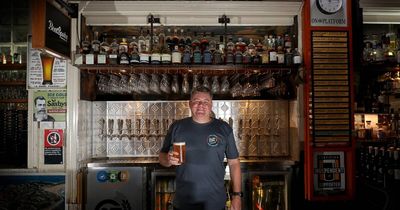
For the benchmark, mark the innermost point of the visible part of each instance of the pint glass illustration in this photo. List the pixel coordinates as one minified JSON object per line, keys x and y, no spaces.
{"x":47,"y":68}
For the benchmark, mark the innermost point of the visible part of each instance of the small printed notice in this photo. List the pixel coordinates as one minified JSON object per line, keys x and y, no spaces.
{"x":46,"y":71}
{"x":53,"y":146}
{"x":329,"y":172}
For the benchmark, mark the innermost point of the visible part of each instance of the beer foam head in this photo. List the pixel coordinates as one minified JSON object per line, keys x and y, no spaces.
{"x":179,"y":143}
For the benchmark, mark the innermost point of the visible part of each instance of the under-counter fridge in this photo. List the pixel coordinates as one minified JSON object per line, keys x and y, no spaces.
{"x":114,"y":187}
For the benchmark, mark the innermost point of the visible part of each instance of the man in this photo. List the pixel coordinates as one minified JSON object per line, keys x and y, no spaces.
{"x":41,"y":112}
{"x":200,"y":179}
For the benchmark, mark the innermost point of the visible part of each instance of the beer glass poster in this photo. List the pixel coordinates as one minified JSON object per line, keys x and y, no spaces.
{"x":46,"y":71}
{"x":50,"y":105}
{"x":329,"y":172}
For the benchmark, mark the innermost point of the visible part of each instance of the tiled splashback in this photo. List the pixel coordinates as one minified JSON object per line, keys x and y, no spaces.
{"x":137,"y":128}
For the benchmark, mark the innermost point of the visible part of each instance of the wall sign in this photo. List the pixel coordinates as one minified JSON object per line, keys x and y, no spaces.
{"x":329,"y":173}
{"x":328,"y":13}
{"x":52,"y":29}
{"x":46,"y":71}
{"x":53,"y":146}
{"x":50,"y":105}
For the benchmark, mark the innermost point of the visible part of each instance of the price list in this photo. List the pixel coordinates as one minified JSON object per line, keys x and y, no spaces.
{"x":330,"y":90}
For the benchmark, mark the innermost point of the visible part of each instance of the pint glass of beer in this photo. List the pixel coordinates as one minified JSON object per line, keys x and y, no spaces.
{"x":47,"y":68}
{"x":179,"y":149}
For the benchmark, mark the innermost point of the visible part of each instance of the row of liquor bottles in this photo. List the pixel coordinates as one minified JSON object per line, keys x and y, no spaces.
{"x":379,"y":164}
{"x":384,"y":47}
{"x":162,"y":49}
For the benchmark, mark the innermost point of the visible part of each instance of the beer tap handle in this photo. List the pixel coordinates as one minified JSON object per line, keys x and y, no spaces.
{"x":137,"y":126}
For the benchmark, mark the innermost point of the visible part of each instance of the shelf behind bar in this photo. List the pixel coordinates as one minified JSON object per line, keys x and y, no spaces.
{"x":188,"y":68}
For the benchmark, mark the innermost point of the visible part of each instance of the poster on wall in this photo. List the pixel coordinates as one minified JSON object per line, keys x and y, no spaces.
{"x":32,"y":191}
{"x":46,"y":71}
{"x":329,"y":173}
{"x":53,"y":146}
{"x":328,"y":13}
{"x":50,"y":105}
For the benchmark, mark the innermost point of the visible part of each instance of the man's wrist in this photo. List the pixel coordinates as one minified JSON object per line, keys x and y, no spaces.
{"x":237,"y":194}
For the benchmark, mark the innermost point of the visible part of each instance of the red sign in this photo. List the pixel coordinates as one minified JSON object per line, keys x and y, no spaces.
{"x":53,"y":146}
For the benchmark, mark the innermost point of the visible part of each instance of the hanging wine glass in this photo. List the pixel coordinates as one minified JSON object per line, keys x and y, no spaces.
{"x":165,"y":85}
{"x":175,"y":84}
{"x":185,"y":84}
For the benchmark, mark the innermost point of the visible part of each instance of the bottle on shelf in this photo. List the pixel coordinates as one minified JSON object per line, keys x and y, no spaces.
{"x":265,"y":53}
{"x":88,"y":51}
{"x":176,"y":56}
{"x":272,"y":49}
{"x":134,"y":51}
{"x":102,"y":57}
{"x":113,"y":56}
{"x":297,"y":59}
{"x":96,"y":46}
{"x":230,"y":50}
{"x":78,"y":59}
{"x":123,"y":52}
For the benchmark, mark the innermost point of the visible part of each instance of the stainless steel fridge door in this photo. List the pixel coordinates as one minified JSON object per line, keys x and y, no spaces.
{"x":114,"y":188}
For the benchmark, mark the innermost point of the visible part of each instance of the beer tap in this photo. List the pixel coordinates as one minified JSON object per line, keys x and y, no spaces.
{"x":120,"y":124}
{"x":128,"y":128}
{"x":137,"y":126}
{"x":110,"y":127}
{"x":102,"y":123}
{"x":156,"y":127}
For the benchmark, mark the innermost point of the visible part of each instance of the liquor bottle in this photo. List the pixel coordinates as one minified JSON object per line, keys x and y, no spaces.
{"x":257,"y":59}
{"x":265,"y":54}
{"x":145,"y":51}
{"x":182,"y":41}
{"x":368,"y":163}
{"x":168,"y":40}
{"x":155,"y":55}
{"x":389,"y":176}
{"x":240,"y":47}
{"x":175,"y":39}
{"x":212,"y":43}
{"x":252,"y":49}
{"x":78,"y":60}
{"x":230,"y":49}
{"x":280,"y":55}
{"x":102,"y":57}
{"x":204,"y":42}
{"x":141,"y":41}
{"x":113,"y":56}
{"x":247,"y":59}
{"x":273,"y":58}
{"x":134,"y":51}
{"x":288,"y":57}
{"x":187,"y":55}
{"x":87,"y":50}
{"x":166,"y":57}
{"x":96,"y":46}
{"x":297,"y":57}
{"x":197,"y":57}
{"x":207,"y":56}
{"x":218,"y":55}
{"x":176,"y":55}
{"x":123,"y":52}
{"x":287,"y":41}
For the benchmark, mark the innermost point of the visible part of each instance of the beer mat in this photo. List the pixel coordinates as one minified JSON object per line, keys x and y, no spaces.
{"x":317,"y":94}
{"x":330,"y":50}
{"x":333,"y":100}
{"x":330,"y":77}
{"x":331,"y":105}
{"x":321,"y":82}
{"x":330,"y":72}
{"x":331,"y":127}
{"x":330,"y":66}
{"x":329,"y":33}
{"x":330,"y":55}
{"x":329,"y":39}
{"x":330,"y":122}
{"x":331,"y":88}
{"x":331,"y":116}
{"x":329,"y":44}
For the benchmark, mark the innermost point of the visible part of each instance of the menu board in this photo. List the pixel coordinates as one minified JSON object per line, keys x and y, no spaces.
{"x":330,"y":90}
{"x":46,"y":71}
